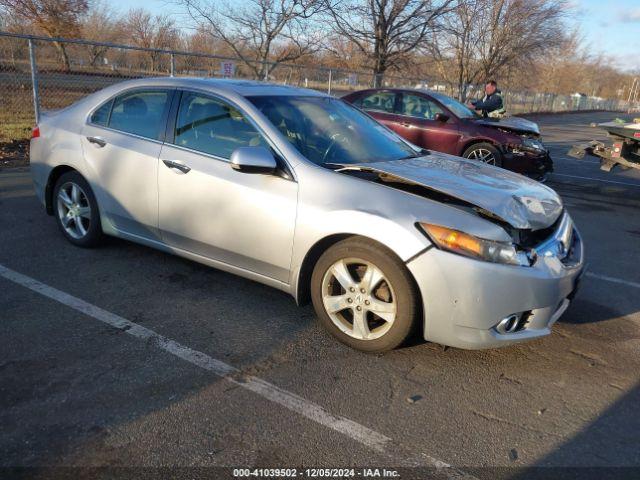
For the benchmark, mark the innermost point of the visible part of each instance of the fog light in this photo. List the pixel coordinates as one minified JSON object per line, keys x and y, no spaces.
{"x":509,"y":324}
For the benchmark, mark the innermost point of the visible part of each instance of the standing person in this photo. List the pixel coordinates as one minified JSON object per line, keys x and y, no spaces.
{"x":492,"y":101}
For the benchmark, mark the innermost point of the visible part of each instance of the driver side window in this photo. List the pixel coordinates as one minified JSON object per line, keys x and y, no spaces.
{"x":419,"y":107}
{"x":212,"y":126}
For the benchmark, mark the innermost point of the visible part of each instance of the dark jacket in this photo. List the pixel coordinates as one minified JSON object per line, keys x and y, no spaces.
{"x":489,"y":103}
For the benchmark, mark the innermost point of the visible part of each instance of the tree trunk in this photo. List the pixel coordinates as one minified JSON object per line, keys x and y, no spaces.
{"x":266,"y":72}
{"x":63,"y":55}
{"x":380,"y":53}
{"x":462,"y":91}
{"x":95,"y":54}
{"x":379,"y":70}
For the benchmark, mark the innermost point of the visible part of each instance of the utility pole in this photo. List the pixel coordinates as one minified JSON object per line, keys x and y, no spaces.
{"x":34,"y":81}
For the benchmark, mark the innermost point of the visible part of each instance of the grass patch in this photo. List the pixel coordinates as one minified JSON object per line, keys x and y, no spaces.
{"x":12,"y":127}
{"x":16,"y":121}
{"x":16,"y":114}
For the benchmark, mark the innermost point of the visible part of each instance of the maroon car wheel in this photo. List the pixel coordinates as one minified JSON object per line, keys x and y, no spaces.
{"x":485,"y":153}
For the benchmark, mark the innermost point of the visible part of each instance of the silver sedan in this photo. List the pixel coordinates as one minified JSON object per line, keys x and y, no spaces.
{"x":303,"y":192}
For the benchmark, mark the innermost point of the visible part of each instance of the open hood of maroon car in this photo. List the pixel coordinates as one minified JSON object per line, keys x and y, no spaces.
{"x":517,"y":200}
{"x":517,"y":124}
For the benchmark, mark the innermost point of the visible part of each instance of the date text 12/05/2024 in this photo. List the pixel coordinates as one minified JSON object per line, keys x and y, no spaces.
{"x":315,"y":473}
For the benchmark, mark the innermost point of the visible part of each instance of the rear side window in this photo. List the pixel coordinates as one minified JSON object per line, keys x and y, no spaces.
{"x":378,"y":101}
{"x":212,"y":126}
{"x":140,"y":112}
{"x":101,"y":115}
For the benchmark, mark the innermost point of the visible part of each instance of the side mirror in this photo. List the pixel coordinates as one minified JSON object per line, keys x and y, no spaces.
{"x":253,"y":160}
{"x":441,"y":117}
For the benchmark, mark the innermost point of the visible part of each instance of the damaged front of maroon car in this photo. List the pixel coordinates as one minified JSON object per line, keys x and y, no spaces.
{"x":520,"y":145}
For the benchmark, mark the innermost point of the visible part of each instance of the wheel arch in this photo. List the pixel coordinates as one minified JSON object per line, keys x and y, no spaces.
{"x":476,"y":141}
{"x":54,"y":175}
{"x":303,"y":278}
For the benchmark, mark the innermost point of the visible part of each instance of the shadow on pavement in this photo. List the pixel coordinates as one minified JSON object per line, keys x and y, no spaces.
{"x":607,"y":448}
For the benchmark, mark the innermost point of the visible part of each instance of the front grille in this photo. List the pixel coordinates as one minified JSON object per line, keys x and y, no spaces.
{"x":564,"y":243}
{"x":527,"y":239}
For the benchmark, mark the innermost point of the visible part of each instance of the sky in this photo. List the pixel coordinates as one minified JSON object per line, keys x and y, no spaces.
{"x":611,"y":27}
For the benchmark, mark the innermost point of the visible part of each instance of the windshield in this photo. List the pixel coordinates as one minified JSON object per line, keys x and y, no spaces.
{"x":459,"y":109}
{"x":328,"y":131}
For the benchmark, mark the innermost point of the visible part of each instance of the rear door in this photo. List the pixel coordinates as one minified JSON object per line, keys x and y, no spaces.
{"x":419,"y":126}
{"x":121,"y":144}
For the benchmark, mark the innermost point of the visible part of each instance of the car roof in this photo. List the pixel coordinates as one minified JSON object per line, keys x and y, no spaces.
{"x":398,"y":90}
{"x":245,"y":88}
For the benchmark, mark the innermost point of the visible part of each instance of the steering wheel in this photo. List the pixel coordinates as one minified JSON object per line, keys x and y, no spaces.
{"x":336,"y":139}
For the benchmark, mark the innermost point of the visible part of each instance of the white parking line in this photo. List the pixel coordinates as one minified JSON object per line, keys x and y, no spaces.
{"x":614,"y":280}
{"x":367,"y":437}
{"x":596,"y":179}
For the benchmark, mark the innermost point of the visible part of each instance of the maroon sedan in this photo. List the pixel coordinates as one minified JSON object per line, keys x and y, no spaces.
{"x":437,"y":122}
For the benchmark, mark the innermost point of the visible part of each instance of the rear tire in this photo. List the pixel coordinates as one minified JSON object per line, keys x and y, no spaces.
{"x":364,"y":295}
{"x":76,"y":210}
{"x":485,"y":153}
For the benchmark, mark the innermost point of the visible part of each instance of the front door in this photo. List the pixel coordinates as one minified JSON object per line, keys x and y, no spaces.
{"x":206,"y":207}
{"x":421,"y":128}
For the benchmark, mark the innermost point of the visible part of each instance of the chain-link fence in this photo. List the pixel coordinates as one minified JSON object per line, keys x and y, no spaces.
{"x":39,"y":73}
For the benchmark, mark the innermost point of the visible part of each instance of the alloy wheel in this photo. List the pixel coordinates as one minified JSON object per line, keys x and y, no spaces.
{"x":74,"y":210}
{"x":359,"y":299}
{"x":482,"y":155}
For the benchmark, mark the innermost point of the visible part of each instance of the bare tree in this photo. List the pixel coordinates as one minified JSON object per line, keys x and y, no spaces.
{"x":482,"y":39}
{"x":55,"y":18}
{"x":339,"y":52}
{"x":387,"y":31}
{"x":149,"y":31}
{"x":102,"y":25}
{"x":573,"y":67}
{"x":262,"y":33}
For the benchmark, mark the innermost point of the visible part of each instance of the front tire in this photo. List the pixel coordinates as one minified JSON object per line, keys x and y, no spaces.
{"x":364,"y":295}
{"x":76,"y":210}
{"x":485,"y":153}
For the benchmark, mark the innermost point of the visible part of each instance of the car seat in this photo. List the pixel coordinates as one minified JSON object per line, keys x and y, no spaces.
{"x":281,"y":117}
{"x":132,"y":119}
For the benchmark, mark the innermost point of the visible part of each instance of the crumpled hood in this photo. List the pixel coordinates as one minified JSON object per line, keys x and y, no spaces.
{"x":512,"y":123}
{"x":519,"y":201}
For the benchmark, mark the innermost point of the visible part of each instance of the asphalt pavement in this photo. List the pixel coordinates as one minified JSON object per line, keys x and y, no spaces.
{"x":123,"y":356}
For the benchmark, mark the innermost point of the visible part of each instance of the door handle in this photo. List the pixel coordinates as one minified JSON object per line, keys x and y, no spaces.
{"x":177,"y":165}
{"x":406,"y":124}
{"x":97,"y":141}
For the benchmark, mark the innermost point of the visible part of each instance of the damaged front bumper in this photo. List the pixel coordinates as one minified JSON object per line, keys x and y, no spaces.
{"x":534,"y":163}
{"x":467,"y":303}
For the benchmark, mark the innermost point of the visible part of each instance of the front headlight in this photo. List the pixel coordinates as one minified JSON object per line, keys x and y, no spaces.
{"x":533,"y":143}
{"x":474,"y":247}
